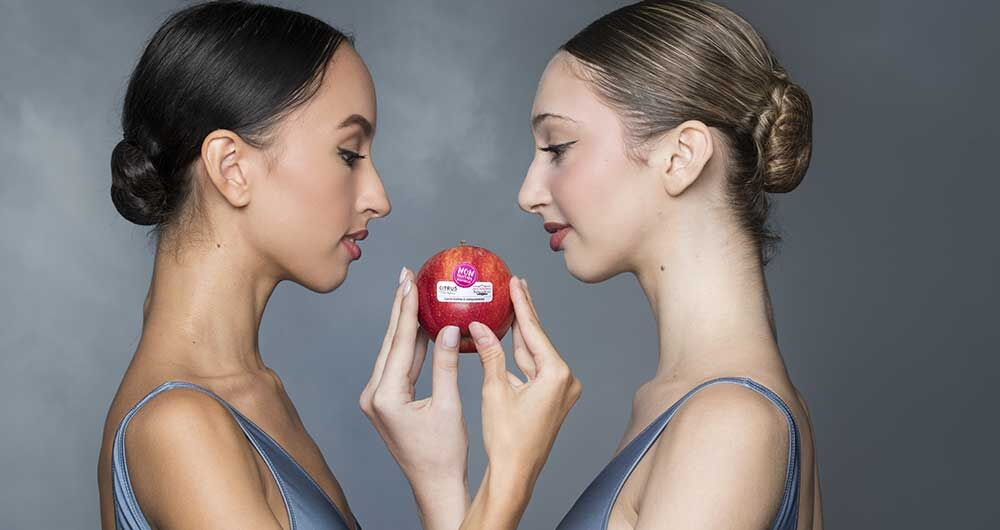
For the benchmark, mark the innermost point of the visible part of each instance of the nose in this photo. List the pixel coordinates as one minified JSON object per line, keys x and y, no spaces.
{"x":534,"y":192}
{"x":374,"y":200}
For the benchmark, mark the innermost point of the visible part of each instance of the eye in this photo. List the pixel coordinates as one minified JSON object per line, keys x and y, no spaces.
{"x":349,"y":157}
{"x":557,"y":150}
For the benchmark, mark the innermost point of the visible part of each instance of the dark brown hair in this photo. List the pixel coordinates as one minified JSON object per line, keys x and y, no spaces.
{"x":660,"y":63}
{"x":218,"y":65}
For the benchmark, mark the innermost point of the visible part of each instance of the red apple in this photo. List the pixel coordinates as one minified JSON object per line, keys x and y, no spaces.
{"x":461,"y":285}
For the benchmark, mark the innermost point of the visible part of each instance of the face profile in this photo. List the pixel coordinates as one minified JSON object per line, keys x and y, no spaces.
{"x":606,"y":200}
{"x":306,"y":200}
{"x":581,"y":178}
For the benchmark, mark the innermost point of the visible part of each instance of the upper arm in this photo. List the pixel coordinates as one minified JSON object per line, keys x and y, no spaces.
{"x":192,"y":467}
{"x":817,"y":523}
{"x":720,"y":463}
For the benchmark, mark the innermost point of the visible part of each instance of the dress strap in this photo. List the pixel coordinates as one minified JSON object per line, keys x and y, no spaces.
{"x":128,"y":514}
{"x":593,"y":508}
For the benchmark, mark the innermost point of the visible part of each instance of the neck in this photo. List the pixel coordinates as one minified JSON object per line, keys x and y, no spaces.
{"x":709,"y":298}
{"x":204,"y":309}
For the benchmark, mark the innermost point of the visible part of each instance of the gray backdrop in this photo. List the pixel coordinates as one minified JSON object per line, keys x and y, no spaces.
{"x":884,"y":292}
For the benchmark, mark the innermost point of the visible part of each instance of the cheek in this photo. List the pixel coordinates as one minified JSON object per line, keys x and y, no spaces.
{"x":319,"y":189}
{"x":307,"y":206}
{"x":593,"y":196}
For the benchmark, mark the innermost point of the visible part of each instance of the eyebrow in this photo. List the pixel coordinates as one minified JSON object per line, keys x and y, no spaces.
{"x":360,"y":121}
{"x":539,"y":118}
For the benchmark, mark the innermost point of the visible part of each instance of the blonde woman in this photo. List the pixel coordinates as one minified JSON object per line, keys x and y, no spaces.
{"x":661,"y":130}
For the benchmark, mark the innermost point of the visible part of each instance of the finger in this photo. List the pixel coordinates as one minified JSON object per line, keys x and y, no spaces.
{"x":419,"y":354}
{"x":444,"y":371}
{"x":490,"y":353}
{"x":531,"y":330}
{"x":514,"y":380}
{"x":399,"y":360}
{"x":390,"y":332}
{"x":527,"y":294}
{"x":522,"y":356}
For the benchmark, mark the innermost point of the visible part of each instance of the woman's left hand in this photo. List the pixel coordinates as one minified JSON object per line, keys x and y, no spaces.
{"x":427,"y":437}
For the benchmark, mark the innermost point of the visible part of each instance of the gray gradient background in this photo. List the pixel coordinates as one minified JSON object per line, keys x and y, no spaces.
{"x":884,"y":291}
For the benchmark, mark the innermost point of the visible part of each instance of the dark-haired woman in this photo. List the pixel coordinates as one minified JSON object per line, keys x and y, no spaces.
{"x":246,"y":145}
{"x":661,"y":130}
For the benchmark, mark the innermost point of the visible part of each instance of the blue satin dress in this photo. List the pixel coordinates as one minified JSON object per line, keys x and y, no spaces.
{"x":593,"y":508}
{"x":309,"y":508}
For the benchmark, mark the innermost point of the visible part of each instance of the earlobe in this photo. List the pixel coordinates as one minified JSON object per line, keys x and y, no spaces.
{"x":688,"y":148}
{"x":223,"y":153}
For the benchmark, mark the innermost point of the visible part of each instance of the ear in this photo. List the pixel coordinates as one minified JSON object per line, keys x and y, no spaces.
{"x":682,"y":154}
{"x":226,"y":160}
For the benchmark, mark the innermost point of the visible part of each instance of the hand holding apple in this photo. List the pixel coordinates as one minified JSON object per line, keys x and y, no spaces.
{"x":427,"y":437}
{"x":520,"y":418}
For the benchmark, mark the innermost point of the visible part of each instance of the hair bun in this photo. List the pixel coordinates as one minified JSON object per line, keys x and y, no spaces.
{"x":784,"y":136}
{"x":136,"y":188}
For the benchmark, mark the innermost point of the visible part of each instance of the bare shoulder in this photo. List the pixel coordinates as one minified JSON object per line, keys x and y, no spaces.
{"x":731,"y":406}
{"x":191,"y":466}
{"x":722,"y":464}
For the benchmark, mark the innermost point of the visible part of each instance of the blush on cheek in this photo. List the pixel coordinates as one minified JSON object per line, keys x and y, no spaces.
{"x":580,"y":194}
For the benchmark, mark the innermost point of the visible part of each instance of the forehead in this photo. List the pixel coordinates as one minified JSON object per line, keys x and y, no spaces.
{"x":347,"y":89}
{"x":562,"y":91}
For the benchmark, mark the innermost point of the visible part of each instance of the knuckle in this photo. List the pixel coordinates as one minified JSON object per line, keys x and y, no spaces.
{"x":380,"y":403}
{"x":448,"y":364}
{"x":562,"y":372}
{"x":492,"y":352}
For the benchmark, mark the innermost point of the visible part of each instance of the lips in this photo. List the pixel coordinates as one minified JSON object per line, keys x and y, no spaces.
{"x":555,"y":242}
{"x":352,"y":247}
{"x":358,"y":236}
{"x":558,"y":231}
{"x":553,"y":227}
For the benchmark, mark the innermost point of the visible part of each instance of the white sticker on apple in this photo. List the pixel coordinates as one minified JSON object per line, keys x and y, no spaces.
{"x":476,"y":293}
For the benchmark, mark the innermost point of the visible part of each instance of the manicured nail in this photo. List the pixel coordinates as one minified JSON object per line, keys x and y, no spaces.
{"x":450,"y":338}
{"x":402,"y":275}
{"x":524,"y":283}
{"x":407,"y":286}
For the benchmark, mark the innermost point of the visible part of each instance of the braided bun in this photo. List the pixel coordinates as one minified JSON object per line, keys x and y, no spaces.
{"x":136,"y":188}
{"x":784,"y":137}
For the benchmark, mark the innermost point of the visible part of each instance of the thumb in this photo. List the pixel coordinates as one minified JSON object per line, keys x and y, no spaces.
{"x":490,"y":353}
{"x":444,"y":375}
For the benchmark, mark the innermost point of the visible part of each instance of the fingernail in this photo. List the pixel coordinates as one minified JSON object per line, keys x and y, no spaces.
{"x":524,"y":283}
{"x":407,"y":286}
{"x":479,"y":333}
{"x":402,"y":274}
{"x":450,"y":338}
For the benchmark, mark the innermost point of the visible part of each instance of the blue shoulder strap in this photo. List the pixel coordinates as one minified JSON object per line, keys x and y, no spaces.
{"x":307,"y":504}
{"x":593,"y":508}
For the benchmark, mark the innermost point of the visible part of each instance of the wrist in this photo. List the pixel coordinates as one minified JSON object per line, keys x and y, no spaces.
{"x":507,"y":490}
{"x":443,"y":504}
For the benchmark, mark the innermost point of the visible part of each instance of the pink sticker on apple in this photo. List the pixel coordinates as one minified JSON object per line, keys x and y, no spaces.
{"x":465,"y":274}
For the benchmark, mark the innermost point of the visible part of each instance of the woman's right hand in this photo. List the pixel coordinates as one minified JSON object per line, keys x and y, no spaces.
{"x":521,"y":418}
{"x":426,"y":437}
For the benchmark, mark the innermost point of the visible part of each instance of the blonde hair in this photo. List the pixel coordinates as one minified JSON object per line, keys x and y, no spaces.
{"x":660,"y":63}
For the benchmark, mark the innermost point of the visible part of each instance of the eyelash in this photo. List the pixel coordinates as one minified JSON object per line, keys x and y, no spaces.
{"x":557,"y":150}
{"x":349,"y":157}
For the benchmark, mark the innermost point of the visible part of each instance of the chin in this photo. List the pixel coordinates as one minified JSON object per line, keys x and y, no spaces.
{"x":587,"y":270}
{"x":323,"y":285}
